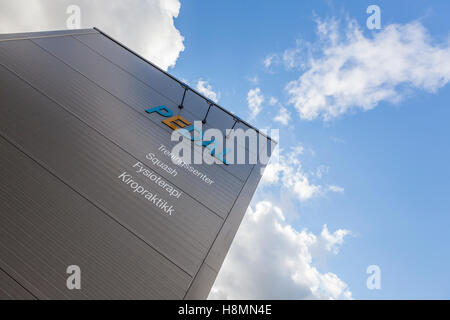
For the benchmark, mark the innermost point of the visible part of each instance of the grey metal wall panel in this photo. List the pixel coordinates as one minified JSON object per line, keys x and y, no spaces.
{"x":72,"y":119}
{"x":11,"y":290}
{"x":92,"y":164}
{"x":137,"y":67}
{"x":114,"y":119}
{"x":202,"y":283}
{"x":32,"y":35}
{"x":46,"y":226}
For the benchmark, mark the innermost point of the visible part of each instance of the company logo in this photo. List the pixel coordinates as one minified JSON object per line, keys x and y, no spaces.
{"x":190,"y":131}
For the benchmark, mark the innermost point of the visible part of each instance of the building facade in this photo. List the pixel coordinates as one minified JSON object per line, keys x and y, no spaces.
{"x":88,"y":177}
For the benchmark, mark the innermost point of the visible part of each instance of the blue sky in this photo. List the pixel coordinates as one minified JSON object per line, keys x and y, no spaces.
{"x":392,"y":160}
{"x":363,"y":175}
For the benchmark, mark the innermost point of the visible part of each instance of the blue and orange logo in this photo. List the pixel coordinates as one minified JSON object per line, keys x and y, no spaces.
{"x":176,"y":122}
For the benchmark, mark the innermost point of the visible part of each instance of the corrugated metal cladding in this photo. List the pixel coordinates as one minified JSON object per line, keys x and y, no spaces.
{"x":72,"y":120}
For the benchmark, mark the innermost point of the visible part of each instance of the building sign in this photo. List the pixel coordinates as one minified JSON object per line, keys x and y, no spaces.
{"x":196,"y":135}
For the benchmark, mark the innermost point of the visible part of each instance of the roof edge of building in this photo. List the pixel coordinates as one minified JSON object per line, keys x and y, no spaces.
{"x":44,"y":34}
{"x":185,"y":85}
{"x":94,"y":30}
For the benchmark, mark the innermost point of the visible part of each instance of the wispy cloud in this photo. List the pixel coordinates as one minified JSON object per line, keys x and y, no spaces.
{"x":283,"y":116}
{"x":206,"y":89}
{"x":269,"y":60}
{"x":253,"y":80}
{"x":285,"y":171}
{"x":333,"y":241}
{"x":290,"y":58}
{"x":255,"y":99}
{"x":273,"y":101}
{"x":335,"y":188}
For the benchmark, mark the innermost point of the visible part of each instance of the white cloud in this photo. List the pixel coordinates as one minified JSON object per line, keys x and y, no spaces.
{"x":185,"y":81}
{"x":337,"y":139}
{"x":283,"y":116}
{"x":206,"y":89}
{"x":322,"y":170}
{"x":336,"y":188}
{"x":273,"y":101}
{"x":146,"y":26}
{"x":301,"y":186}
{"x":291,"y":58}
{"x":268,"y":61}
{"x":287,"y":171}
{"x":332,"y":241}
{"x":255,"y":99}
{"x":254,"y":79}
{"x":270,"y":259}
{"x":353,"y":71}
